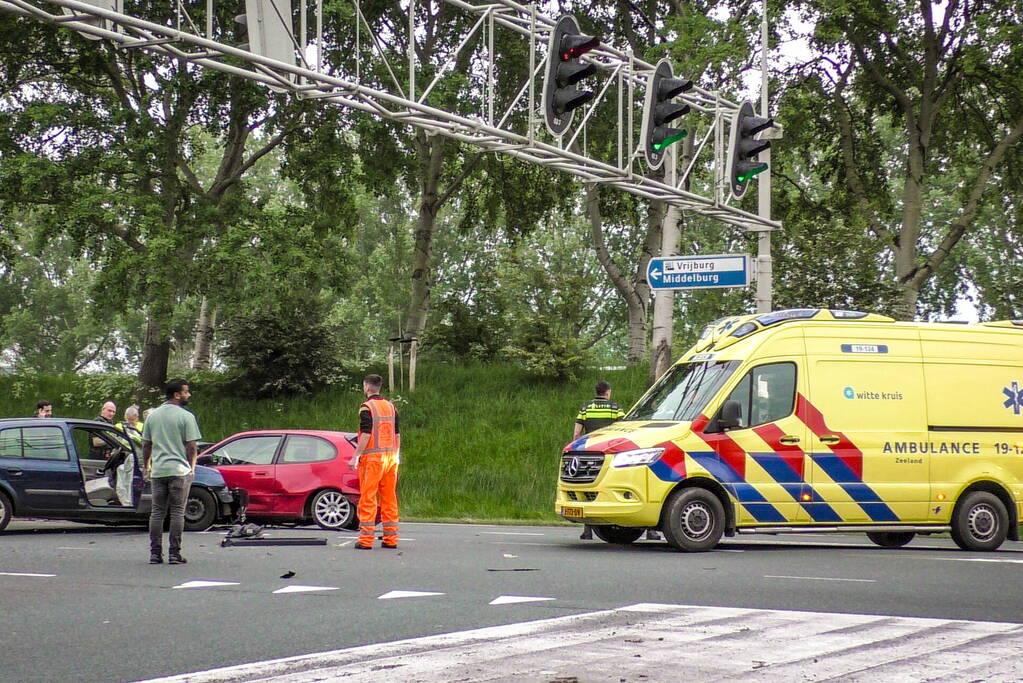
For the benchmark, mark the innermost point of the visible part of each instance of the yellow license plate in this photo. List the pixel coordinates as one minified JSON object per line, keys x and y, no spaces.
{"x":572,"y":512}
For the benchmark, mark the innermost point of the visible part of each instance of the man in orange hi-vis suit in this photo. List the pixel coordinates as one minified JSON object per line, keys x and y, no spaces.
{"x":376,"y":461}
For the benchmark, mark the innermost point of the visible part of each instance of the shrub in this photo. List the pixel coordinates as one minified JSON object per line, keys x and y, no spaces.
{"x":282,"y":352}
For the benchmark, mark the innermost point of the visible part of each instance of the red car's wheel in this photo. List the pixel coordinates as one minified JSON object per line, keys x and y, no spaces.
{"x":332,"y":510}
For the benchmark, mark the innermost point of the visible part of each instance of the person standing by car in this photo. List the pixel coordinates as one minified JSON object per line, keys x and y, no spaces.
{"x":168,"y":453}
{"x":44,"y":408}
{"x":597,"y":414}
{"x":376,"y":460}
{"x":132,"y":428}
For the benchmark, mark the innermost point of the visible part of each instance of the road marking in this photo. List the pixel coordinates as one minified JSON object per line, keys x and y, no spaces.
{"x":511,"y":533}
{"x":304,"y":589}
{"x":511,"y":599}
{"x":206,"y":584}
{"x":969,"y":559}
{"x":647,"y":639}
{"x":67,"y":547}
{"x":818,"y":578}
{"x":42,"y":576}
{"x":391,"y":595}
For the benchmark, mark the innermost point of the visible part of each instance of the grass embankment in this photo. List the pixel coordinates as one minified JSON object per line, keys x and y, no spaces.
{"x":479,"y":442}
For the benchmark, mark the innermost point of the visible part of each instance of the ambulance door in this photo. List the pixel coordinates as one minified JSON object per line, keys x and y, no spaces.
{"x":866,"y":414}
{"x":765,"y":455}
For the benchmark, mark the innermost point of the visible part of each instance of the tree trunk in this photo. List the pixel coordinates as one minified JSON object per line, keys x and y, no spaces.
{"x":202,"y":357}
{"x":635,"y":292}
{"x":432,"y":150}
{"x":155,"y":355}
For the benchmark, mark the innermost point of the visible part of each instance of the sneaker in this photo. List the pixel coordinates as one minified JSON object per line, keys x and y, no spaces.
{"x":156,"y":559}
{"x":586,"y":535}
{"x":176,"y":559}
{"x":359,"y":546}
{"x":390,"y":546}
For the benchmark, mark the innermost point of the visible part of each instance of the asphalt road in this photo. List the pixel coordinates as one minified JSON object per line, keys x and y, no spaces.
{"x":82,"y":603}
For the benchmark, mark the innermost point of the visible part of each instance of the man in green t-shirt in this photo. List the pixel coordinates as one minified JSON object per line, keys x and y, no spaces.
{"x":168,"y":453}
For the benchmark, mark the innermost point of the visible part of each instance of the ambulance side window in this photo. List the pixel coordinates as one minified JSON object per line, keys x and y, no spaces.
{"x":767,"y":393}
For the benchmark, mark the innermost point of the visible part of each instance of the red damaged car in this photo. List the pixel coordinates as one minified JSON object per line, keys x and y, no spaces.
{"x":291,"y":474}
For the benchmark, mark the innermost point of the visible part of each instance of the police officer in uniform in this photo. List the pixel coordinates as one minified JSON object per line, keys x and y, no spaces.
{"x":376,"y":460}
{"x":597,"y":414}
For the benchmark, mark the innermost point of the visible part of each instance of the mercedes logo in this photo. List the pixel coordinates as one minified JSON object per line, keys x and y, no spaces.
{"x":572,"y":468}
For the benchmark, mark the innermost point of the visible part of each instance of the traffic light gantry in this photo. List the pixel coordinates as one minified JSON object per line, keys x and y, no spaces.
{"x":565,"y":69}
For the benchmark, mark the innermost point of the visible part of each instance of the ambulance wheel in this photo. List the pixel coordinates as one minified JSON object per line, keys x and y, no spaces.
{"x":5,"y":510}
{"x":622,"y":535}
{"x":891,"y":539}
{"x":980,"y":522}
{"x":694,"y":520}
{"x":332,"y":510}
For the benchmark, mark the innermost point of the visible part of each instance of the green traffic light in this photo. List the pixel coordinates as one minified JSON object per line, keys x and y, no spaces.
{"x":749,"y":174}
{"x":658,"y":146}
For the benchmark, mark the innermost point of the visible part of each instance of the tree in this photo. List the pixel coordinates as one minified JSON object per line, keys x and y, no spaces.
{"x":948,"y":78}
{"x":102,"y":140}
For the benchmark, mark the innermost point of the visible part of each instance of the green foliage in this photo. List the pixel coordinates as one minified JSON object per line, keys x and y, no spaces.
{"x":280,"y":352}
{"x":546,"y":354}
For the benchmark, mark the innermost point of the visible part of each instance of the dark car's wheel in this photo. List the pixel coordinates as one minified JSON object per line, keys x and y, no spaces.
{"x":6,"y":510}
{"x":891,"y":539}
{"x":332,"y":510}
{"x":980,"y":522}
{"x":200,"y":509}
{"x":694,"y":520}
{"x":612,"y":533}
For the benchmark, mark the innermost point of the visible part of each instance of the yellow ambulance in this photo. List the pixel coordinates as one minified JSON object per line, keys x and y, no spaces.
{"x":814,"y":420}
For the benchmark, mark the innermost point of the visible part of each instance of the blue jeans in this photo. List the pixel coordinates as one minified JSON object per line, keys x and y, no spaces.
{"x":169,"y":494}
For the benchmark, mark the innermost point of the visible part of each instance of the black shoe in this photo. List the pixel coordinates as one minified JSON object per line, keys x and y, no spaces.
{"x":359,"y":546}
{"x":176,"y":559}
{"x":156,"y":559}
{"x":390,"y":546}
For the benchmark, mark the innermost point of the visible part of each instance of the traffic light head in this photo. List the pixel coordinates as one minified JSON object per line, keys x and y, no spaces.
{"x":564,"y":70}
{"x":659,"y":110}
{"x":743,"y":149}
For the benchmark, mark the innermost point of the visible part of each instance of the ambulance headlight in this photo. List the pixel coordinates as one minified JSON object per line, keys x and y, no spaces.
{"x":641,"y":456}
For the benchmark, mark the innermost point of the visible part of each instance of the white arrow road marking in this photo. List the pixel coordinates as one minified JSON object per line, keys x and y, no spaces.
{"x":42,"y":576}
{"x":206,"y":584}
{"x":510,"y":599}
{"x":304,"y":589}
{"x":405,"y":594}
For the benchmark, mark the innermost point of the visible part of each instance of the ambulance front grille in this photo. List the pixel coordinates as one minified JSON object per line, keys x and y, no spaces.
{"x":580,"y":467}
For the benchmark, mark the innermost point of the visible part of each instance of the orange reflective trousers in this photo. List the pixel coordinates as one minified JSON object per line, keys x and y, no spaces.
{"x":378,"y":477}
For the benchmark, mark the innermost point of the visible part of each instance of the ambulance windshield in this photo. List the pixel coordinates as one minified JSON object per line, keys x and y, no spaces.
{"x":683,"y":391}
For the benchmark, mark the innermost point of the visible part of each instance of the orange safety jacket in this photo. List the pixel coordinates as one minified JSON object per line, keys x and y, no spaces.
{"x":382,"y":438}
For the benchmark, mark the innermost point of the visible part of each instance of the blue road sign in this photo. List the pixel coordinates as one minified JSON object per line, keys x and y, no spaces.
{"x":699,"y":272}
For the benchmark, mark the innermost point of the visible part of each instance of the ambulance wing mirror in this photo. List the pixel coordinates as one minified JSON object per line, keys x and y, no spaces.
{"x":730,"y":416}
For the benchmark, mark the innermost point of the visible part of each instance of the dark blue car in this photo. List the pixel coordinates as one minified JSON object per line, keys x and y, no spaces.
{"x":56,"y":468}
